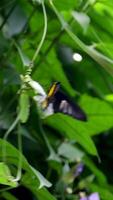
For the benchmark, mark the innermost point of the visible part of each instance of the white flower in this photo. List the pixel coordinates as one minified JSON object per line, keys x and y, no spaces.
{"x":40,"y":97}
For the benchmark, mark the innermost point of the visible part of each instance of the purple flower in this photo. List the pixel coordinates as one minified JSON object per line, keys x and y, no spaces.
{"x":79,"y":169}
{"x":84,"y":198}
{"x":93,"y":196}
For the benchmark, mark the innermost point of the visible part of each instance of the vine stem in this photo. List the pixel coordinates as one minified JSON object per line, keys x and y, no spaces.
{"x":44,"y":32}
{"x":19,"y":170}
{"x":30,"y":64}
{"x":6,"y":136}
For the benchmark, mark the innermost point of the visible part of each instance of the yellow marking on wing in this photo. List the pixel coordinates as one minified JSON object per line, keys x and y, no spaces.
{"x":52,"y":90}
{"x":50,"y":95}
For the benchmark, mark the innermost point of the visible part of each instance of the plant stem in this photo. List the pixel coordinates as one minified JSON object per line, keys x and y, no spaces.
{"x":6,"y":136}
{"x":19,"y":170}
{"x":44,"y":33}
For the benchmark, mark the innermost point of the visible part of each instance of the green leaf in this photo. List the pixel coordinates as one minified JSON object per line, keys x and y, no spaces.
{"x":100,"y":115}
{"x":71,"y":128}
{"x":5,"y":176}
{"x":24,"y":107}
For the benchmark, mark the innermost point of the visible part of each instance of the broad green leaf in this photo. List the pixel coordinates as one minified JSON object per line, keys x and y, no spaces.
{"x":100,"y":115}
{"x":71,"y":128}
{"x":5,"y":176}
{"x":24,"y":106}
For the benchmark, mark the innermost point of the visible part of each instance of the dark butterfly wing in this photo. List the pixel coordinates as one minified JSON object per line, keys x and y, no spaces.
{"x":64,"y":105}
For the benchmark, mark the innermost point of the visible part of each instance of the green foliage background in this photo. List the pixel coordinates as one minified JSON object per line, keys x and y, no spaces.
{"x":52,"y":147}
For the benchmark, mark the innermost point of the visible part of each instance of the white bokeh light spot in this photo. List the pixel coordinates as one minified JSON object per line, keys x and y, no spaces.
{"x":77,"y":57}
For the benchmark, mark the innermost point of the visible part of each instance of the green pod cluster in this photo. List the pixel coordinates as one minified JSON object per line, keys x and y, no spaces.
{"x":24,"y":106}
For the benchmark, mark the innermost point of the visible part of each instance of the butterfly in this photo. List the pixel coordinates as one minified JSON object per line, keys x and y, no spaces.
{"x":62,"y":104}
